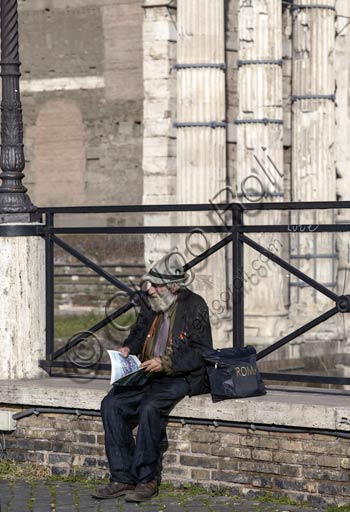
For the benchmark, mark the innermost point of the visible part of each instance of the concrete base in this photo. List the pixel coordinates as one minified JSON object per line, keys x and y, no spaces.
{"x":22,"y":306}
{"x":292,"y":407}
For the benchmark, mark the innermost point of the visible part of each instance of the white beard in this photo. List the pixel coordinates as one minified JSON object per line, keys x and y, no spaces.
{"x":162,"y":302}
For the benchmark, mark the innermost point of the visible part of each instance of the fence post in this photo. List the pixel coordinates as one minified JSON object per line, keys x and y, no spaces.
{"x":237,"y":278}
{"x":49,"y":272}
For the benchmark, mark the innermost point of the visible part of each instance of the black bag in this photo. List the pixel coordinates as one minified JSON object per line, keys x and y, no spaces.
{"x":233,"y":373}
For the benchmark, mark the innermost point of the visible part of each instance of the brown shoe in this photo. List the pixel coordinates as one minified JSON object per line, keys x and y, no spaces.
{"x":112,"y":490}
{"x":143,"y":492}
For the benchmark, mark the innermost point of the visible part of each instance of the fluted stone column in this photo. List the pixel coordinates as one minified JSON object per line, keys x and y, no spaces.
{"x":260,"y":160}
{"x":313,"y":138}
{"x":159,"y":167}
{"x":201,"y":139}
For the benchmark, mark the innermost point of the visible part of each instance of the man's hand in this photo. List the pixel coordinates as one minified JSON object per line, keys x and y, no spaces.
{"x":125,"y":351}
{"x":152,"y":365}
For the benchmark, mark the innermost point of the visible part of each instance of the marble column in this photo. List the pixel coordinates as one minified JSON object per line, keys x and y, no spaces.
{"x":260,"y":175}
{"x":313,"y":139}
{"x":201,"y":143}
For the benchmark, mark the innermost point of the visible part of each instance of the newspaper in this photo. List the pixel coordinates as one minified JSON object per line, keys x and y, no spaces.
{"x":125,"y":370}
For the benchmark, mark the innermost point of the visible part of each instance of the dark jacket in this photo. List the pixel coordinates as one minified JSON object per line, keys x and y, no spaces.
{"x":191,"y":337}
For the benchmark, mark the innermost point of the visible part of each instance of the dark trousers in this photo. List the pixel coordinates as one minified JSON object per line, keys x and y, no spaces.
{"x":121,"y":409}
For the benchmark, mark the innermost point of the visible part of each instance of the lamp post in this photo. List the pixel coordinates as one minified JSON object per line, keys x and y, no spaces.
{"x":13,"y":197}
{"x":22,"y":249}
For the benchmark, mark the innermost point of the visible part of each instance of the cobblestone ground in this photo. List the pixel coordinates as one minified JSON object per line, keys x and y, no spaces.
{"x":20,"y":496}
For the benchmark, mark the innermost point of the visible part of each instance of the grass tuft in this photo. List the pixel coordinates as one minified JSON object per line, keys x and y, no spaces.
{"x":11,"y":470}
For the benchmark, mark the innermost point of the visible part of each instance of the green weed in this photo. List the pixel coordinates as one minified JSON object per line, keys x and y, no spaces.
{"x":279,"y":500}
{"x":11,"y":470}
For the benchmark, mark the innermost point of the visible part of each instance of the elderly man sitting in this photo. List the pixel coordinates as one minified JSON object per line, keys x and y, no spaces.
{"x":171,"y":333}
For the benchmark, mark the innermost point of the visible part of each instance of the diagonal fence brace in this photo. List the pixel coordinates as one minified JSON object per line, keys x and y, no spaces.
{"x":290,"y":268}
{"x":286,"y":339}
{"x":84,"y":335}
{"x":89,"y":263}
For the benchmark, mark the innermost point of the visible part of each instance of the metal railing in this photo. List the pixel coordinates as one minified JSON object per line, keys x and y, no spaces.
{"x":236,"y":233}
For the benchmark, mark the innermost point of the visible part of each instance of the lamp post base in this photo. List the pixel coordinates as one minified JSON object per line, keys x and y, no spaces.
{"x":11,"y":218}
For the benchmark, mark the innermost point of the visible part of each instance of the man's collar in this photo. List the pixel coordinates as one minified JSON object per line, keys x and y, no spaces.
{"x":183,"y":293}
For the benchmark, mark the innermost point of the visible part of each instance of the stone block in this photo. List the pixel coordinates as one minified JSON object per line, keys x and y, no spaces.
{"x":230,"y":438}
{"x":37,"y":457}
{"x":233,"y":477}
{"x":170,"y":459}
{"x":232,"y":451}
{"x":329,"y":461}
{"x":157,"y":68}
{"x":258,"y":467}
{"x":89,"y":450}
{"x":324,"y":474}
{"x":330,"y":446}
{"x":289,"y":470}
{"x":260,"y":442}
{"x":328,"y":488}
{"x":62,"y":446}
{"x":204,"y":436}
{"x":181,"y":473}
{"x":200,"y":462}
{"x":35,"y":444}
{"x":345,"y":490}
{"x":201,"y":448}
{"x":103,"y":463}
{"x":90,"y":426}
{"x":289,"y":444}
{"x":345,"y":463}
{"x":227,"y":463}
{"x":17,"y":456}
{"x":86,"y":438}
{"x":60,"y":471}
{"x":156,"y":148}
{"x":292,"y":485}
{"x":156,"y":166}
{"x":90,"y":461}
{"x":201,"y":474}
{"x":262,"y":482}
{"x":158,"y":128}
{"x":182,"y":446}
{"x":57,"y":458}
{"x":262,"y":455}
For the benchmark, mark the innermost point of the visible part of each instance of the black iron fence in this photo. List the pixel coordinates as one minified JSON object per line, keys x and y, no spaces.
{"x":235,"y":232}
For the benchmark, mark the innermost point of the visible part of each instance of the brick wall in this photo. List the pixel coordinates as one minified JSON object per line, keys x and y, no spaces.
{"x":306,"y":467}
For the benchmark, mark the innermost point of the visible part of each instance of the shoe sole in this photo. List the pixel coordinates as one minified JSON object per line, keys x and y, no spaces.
{"x":116,"y":495}
{"x":135,"y":500}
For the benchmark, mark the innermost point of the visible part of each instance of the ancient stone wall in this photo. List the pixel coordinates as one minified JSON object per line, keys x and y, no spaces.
{"x":82,"y":92}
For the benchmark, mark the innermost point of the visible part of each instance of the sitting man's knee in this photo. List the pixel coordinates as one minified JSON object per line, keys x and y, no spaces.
{"x":106,"y":404}
{"x":149,"y":408}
